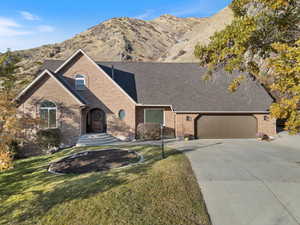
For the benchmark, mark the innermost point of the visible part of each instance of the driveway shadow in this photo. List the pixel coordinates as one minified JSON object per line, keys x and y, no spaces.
{"x":189,"y":147}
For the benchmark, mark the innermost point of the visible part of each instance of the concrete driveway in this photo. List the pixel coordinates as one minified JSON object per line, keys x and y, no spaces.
{"x":246,"y":182}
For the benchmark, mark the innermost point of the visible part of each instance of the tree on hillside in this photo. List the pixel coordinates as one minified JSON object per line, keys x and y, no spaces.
{"x":263,"y":40}
{"x":10,"y":123}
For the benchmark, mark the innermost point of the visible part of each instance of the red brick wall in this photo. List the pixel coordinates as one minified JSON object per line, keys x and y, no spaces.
{"x":102,"y":93}
{"x":169,"y":117}
{"x":68,"y":109}
{"x":185,"y":124}
{"x":266,"y":126}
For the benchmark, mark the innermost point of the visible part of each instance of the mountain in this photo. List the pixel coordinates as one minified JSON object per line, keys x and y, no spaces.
{"x":165,"y":39}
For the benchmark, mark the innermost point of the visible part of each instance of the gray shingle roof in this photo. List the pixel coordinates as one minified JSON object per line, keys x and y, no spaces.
{"x":74,"y":92}
{"x":181,"y":85}
{"x":51,"y":65}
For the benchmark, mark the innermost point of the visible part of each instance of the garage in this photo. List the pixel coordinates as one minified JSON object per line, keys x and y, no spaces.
{"x":226,"y":126}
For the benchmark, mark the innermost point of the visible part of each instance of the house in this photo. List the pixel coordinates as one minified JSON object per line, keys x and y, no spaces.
{"x":82,"y":96}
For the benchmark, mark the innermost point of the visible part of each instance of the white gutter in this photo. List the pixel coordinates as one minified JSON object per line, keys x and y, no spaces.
{"x":229,"y":112}
{"x":149,"y":105}
{"x":232,"y":112}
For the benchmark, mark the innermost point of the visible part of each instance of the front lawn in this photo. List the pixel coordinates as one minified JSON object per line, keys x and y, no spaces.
{"x":155,"y":192}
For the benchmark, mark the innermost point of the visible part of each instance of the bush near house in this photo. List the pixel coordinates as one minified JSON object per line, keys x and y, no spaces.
{"x":152,"y":131}
{"x":148,"y":131}
{"x":49,"y":138}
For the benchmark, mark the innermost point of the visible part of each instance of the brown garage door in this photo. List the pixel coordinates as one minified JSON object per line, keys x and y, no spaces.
{"x":226,"y":126}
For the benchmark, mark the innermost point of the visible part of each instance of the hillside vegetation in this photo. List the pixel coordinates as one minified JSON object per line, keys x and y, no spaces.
{"x":166,"y":38}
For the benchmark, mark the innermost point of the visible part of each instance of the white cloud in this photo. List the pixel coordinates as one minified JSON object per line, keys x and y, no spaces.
{"x":148,"y":14}
{"x":9,"y":28}
{"x":29,"y":41}
{"x":6,"y":22}
{"x":29,"y":16}
{"x":46,"y":28}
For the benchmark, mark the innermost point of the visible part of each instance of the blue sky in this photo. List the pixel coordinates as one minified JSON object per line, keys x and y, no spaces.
{"x":31,"y":23}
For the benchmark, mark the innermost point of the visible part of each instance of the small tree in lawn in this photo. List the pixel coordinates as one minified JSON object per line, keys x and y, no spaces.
{"x":10,"y":123}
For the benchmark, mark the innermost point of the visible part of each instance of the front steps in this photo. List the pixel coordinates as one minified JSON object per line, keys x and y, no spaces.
{"x":97,"y":140}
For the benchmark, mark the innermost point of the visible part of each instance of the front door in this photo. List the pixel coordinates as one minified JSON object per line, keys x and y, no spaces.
{"x":97,"y":124}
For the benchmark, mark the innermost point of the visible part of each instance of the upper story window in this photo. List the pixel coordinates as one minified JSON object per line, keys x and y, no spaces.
{"x":48,"y":112}
{"x":80,"y":82}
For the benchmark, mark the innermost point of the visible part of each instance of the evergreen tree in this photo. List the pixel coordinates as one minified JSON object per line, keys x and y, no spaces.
{"x":10,"y":121}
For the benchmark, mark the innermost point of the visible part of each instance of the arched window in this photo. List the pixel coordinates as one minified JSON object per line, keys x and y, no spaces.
{"x":48,"y":112}
{"x":80,"y":82}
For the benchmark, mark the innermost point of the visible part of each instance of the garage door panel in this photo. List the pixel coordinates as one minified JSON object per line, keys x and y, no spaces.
{"x":226,"y":126}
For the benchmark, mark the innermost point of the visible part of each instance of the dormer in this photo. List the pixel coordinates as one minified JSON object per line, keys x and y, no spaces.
{"x":80,"y":82}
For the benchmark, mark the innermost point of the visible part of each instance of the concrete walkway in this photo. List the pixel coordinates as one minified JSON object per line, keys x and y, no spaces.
{"x":246,"y":182}
{"x":101,"y":139}
{"x":97,"y":140}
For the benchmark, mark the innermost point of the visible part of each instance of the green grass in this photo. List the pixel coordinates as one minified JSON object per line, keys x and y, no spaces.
{"x":154,"y":192}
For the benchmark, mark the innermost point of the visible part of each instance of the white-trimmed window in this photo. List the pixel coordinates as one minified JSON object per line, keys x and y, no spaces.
{"x":80,"y":82}
{"x":154,"y":116}
{"x":48,"y":111}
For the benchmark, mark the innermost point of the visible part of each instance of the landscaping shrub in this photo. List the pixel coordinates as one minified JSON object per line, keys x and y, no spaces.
{"x":148,"y":131}
{"x":49,"y":138}
{"x":169,"y":132}
{"x":151,"y":131}
{"x":14,"y":148}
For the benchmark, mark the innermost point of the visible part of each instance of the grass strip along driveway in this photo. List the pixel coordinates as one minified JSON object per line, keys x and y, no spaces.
{"x":154,"y":192}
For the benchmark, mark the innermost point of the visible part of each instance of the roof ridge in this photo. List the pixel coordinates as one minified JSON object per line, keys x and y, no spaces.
{"x":146,"y":62}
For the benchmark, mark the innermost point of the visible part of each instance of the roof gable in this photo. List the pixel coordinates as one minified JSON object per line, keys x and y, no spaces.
{"x":63,"y":84}
{"x":57,"y":67}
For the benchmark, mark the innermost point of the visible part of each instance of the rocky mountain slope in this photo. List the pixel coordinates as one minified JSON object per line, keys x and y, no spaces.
{"x":166,"y":39}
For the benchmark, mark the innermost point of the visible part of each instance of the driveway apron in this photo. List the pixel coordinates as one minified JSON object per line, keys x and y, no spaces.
{"x":246,"y":182}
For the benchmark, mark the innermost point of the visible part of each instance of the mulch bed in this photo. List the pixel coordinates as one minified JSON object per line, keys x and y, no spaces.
{"x":90,"y":161}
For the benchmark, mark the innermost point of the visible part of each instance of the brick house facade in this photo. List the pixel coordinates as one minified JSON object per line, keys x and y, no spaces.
{"x":114,"y":100}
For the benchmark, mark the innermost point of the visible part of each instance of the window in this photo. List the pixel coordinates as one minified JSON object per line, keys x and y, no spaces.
{"x":48,"y":114}
{"x":122,"y":114}
{"x":79,"y":82}
{"x":154,"y":116}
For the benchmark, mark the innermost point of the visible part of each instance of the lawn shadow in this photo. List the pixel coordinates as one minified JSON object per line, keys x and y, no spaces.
{"x":58,"y":189}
